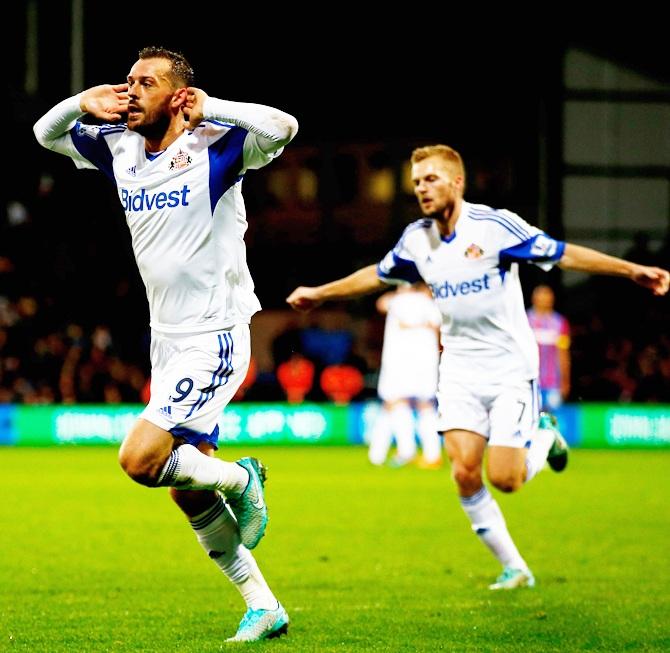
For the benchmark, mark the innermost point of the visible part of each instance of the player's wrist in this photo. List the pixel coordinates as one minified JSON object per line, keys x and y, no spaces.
{"x":207,"y":109}
{"x":212,"y":108}
{"x":81,"y":101}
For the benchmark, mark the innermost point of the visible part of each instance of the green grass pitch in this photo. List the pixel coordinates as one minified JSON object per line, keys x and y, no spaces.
{"x":364,"y":559}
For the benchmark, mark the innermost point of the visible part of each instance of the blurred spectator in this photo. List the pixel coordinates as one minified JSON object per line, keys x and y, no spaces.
{"x":552,"y":332}
{"x":112,"y":394}
{"x":618,"y":362}
{"x":68,"y":366}
{"x":654,"y":382}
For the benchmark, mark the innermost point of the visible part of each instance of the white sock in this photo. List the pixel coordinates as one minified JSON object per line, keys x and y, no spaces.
{"x":402,"y":420}
{"x":187,"y":468}
{"x":537,"y":453}
{"x":430,"y":440}
{"x":380,"y":440}
{"x":217,"y":532}
{"x":489,"y":524}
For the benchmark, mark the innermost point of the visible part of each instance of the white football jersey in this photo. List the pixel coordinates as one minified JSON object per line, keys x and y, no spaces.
{"x":186,"y":216}
{"x":473,"y":275}
{"x":410,"y":354}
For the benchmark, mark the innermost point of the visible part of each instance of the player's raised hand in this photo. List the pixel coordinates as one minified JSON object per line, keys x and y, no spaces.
{"x":656,"y":279}
{"x":106,"y":101}
{"x":304,"y":299}
{"x":193,"y":106}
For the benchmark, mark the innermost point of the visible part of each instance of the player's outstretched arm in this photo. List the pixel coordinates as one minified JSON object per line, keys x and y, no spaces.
{"x":273,"y":128}
{"x":584,"y":259}
{"x":361,"y":282}
{"x":106,"y":102}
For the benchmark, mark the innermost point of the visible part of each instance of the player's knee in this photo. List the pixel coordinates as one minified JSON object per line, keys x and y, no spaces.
{"x":142,"y":468}
{"x":468,"y":479}
{"x":506,"y":482}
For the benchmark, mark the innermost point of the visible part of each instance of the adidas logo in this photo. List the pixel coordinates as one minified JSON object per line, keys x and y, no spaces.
{"x":166,"y":410}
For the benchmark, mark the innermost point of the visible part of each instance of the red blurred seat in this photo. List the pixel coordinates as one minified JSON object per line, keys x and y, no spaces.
{"x":341,"y":383}
{"x":296,"y":377}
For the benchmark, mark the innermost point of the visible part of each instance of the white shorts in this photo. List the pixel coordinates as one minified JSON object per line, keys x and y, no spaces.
{"x":402,"y":383}
{"x":506,"y":415}
{"x":193,"y":377}
{"x":409,"y":365}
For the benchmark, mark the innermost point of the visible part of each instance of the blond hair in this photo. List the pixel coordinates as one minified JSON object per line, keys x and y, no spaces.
{"x":448,"y":154}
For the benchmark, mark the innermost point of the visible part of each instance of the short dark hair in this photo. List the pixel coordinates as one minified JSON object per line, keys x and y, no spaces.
{"x":181,"y":72}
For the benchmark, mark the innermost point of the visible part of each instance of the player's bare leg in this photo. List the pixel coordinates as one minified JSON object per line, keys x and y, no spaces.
{"x":466,"y":452}
{"x":147,"y":449}
{"x":506,"y":468}
{"x":148,"y":456}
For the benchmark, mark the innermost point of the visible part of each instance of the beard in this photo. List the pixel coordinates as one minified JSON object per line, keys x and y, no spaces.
{"x":154,"y":129}
{"x":440,"y":211}
{"x":432,"y":214}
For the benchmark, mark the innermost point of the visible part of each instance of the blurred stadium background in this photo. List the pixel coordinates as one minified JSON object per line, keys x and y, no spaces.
{"x":572,"y":134}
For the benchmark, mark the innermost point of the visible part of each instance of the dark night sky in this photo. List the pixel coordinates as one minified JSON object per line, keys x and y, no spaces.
{"x":404,"y":78}
{"x":343,"y":78}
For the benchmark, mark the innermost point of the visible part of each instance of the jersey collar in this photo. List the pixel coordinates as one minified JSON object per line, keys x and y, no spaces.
{"x":465,"y":209}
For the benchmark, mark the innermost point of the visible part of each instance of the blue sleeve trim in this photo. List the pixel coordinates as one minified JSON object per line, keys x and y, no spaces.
{"x":539,"y":248}
{"x":219,"y":123}
{"x":400,"y":270}
{"x":560,"y":250}
{"x":225,"y":163}
{"x":113,"y":129}
{"x":95,"y":150}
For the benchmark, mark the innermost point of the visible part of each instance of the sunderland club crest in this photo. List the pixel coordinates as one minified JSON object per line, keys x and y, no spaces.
{"x":180,"y":160}
{"x":474,"y":251}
